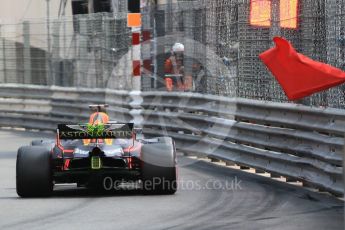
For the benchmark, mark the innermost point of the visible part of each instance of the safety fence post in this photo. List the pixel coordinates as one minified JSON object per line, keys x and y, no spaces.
{"x":26,"y":53}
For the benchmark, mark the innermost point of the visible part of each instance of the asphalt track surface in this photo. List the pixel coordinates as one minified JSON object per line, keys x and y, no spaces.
{"x":207,"y":199}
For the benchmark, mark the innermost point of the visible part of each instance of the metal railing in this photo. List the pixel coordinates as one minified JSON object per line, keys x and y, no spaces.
{"x":93,"y":50}
{"x":295,"y":141}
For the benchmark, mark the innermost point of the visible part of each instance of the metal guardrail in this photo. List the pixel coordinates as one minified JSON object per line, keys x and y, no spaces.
{"x":298,"y":142}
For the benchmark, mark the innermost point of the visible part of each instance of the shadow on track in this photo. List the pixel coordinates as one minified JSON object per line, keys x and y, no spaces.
{"x":91,"y":193}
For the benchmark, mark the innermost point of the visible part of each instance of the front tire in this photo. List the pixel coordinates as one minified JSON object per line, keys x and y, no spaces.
{"x":159,"y":168}
{"x":33,"y":172}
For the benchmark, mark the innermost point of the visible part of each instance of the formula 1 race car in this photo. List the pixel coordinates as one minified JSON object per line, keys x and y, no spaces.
{"x":96,"y":154}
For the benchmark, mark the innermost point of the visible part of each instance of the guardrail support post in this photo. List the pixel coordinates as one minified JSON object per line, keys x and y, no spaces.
{"x":274,"y":175}
{"x":259,"y":171}
{"x":244,"y":167}
{"x":214,"y":159}
{"x":229,"y":163}
{"x":289,"y":179}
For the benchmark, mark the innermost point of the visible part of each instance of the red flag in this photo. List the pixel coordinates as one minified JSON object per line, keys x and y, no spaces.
{"x":299,"y":75}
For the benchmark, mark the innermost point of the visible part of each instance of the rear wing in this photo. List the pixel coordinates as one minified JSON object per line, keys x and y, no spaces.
{"x":101,"y":131}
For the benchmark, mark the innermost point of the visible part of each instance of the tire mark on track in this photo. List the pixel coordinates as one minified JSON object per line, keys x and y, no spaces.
{"x":45,"y":218}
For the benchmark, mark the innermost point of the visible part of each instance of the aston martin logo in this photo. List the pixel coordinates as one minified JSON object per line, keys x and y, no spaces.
{"x":88,"y":131}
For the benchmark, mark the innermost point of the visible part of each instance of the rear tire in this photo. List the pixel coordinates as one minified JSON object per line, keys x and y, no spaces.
{"x":159,"y":168}
{"x":33,"y":172}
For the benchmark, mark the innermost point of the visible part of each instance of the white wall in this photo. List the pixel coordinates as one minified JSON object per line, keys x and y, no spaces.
{"x":14,"y":11}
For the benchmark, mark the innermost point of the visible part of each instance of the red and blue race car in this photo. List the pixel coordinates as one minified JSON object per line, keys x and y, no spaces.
{"x":95,"y":154}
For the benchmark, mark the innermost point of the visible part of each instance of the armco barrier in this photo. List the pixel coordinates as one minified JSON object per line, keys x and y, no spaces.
{"x":295,"y":141}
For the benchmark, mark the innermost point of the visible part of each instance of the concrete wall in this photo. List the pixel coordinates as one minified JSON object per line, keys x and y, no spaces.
{"x":15,"y":11}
